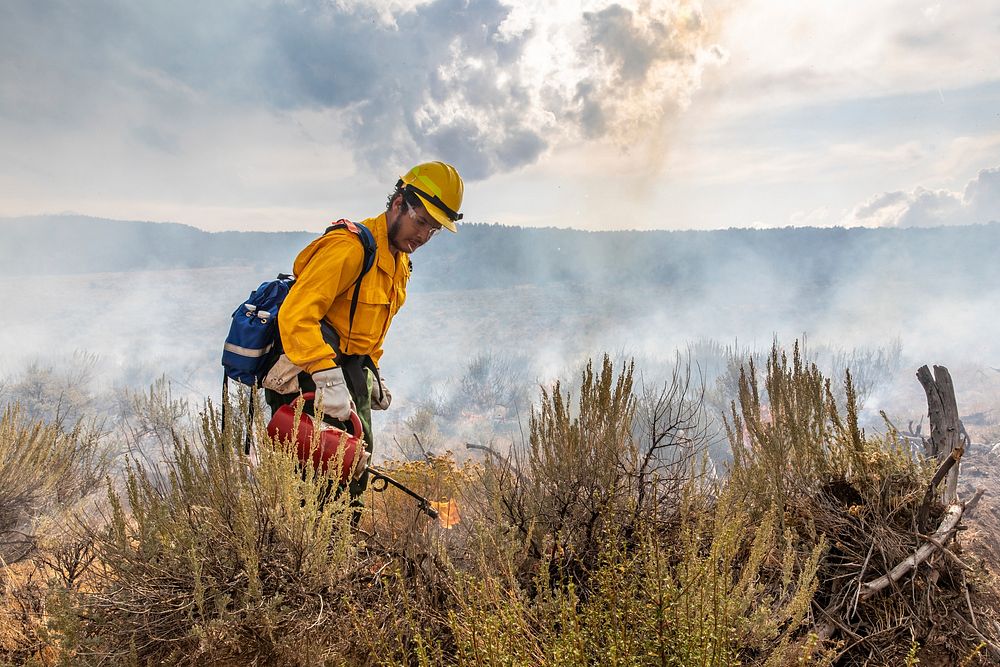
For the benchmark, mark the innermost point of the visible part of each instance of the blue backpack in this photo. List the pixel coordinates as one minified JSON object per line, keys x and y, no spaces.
{"x":248,"y":353}
{"x":254,"y":330}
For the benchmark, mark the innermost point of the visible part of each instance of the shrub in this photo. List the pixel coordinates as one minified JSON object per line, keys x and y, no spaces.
{"x":44,"y":470}
{"x":219,"y":562}
{"x":626,"y":552}
{"x":696,"y":602}
{"x":47,"y":477}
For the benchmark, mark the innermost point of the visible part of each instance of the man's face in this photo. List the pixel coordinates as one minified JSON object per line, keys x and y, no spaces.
{"x":409,"y":227}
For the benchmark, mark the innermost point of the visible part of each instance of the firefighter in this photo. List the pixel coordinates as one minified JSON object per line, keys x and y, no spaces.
{"x":336,"y":351}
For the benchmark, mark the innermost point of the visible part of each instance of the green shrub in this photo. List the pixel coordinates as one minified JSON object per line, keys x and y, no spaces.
{"x":625,"y":556}
{"x":219,"y":561}
{"x":47,"y":479}
{"x":696,"y":602}
{"x":44,"y":471}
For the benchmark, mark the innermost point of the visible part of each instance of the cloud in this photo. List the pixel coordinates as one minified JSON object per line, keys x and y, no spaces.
{"x":920,"y":207}
{"x":643,"y":67}
{"x":806,"y":54}
{"x":982,"y":195}
{"x":488,"y":84}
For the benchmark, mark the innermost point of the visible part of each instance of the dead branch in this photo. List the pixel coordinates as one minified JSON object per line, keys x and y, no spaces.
{"x":948,"y":552}
{"x":971,"y":504}
{"x":943,"y":469}
{"x":484,"y":448}
{"x":911,"y":436}
{"x":941,"y":536}
{"x":428,"y":455}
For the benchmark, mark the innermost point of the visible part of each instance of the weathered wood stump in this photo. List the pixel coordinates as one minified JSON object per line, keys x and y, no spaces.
{"x":945,"y":443}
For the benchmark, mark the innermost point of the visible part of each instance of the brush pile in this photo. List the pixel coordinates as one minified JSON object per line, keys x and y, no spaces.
{"x":893,"y":581}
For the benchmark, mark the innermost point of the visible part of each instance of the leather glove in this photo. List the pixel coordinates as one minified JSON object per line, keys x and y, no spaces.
{"x":332,"y":396}
{"x":380,"y":399}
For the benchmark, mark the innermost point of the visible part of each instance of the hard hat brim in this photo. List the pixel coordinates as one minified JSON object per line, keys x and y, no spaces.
{"x":437,"y":214}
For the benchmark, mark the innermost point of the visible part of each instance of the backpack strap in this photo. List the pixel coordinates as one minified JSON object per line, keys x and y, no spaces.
{"x":368,"y":245}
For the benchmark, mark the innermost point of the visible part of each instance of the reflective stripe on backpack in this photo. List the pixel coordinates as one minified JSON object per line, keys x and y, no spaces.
{"x":246,"y":351}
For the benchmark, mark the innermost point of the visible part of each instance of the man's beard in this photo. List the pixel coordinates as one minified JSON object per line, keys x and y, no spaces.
{"x":393,"y":232}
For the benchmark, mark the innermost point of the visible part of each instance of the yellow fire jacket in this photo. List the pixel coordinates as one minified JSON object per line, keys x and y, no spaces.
{"x":325,"y":272}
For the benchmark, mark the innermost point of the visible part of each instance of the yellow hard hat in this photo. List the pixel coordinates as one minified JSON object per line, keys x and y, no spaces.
{"x":440,"y":190}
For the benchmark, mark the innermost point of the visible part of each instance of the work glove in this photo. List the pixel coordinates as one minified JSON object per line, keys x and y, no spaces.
{"x":332,"y":396}
{"x":381,"y":396}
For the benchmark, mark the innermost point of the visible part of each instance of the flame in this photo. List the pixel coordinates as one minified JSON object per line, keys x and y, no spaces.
{"x":448,"y":515}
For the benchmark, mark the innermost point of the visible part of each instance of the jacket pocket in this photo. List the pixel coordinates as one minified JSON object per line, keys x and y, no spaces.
{"x":372,"y":312}
{"x":373,"y":296}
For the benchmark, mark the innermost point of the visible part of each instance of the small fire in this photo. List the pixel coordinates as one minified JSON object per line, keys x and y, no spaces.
{"x":447,"y":510}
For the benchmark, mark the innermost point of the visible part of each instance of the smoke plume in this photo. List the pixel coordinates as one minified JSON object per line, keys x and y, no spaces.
{"x":487,"y":84}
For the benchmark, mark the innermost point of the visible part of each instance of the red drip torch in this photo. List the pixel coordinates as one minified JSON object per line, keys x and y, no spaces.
{"x":334,"y":444}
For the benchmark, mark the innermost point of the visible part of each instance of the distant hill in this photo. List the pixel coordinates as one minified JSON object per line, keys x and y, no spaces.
{"x":484,"y":256}
{"x":66,"y":244}
{"x":493,"y":255}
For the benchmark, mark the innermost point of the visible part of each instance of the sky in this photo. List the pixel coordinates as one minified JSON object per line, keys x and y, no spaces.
{"x":598,"y":115}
